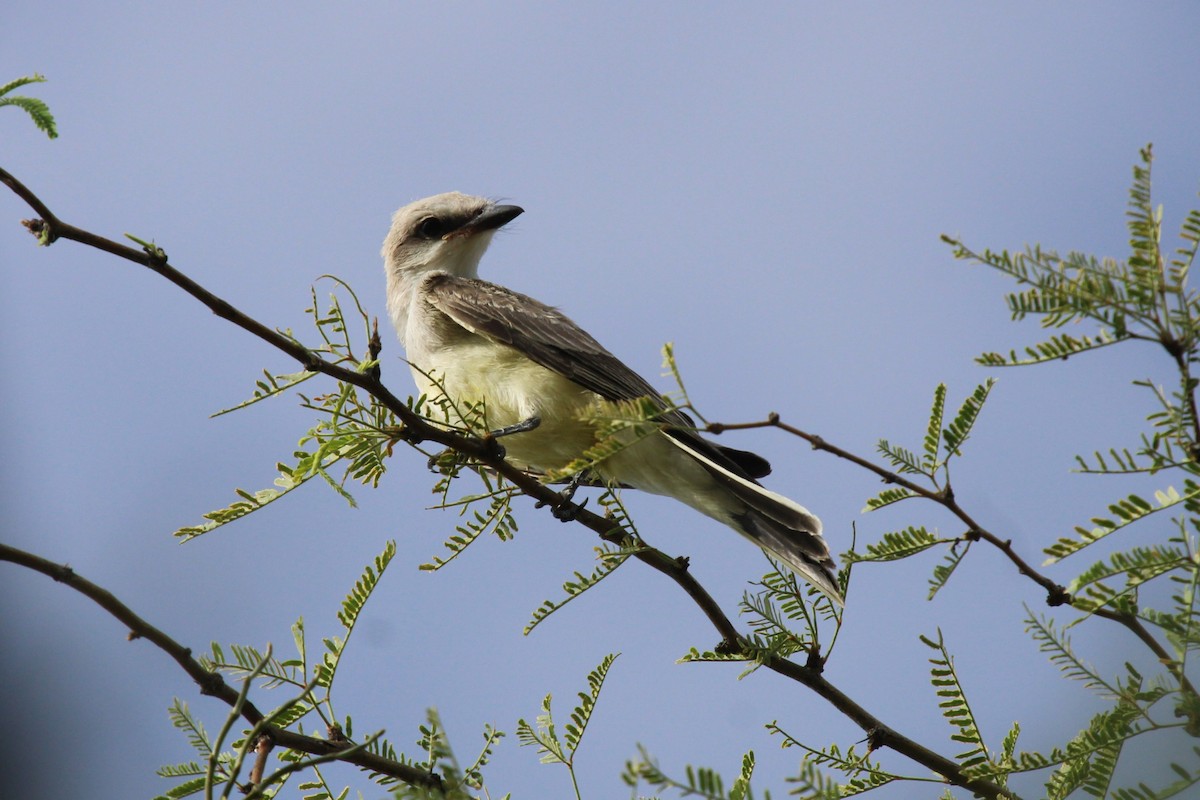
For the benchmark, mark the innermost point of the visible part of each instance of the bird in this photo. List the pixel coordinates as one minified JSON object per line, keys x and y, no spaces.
{"x":545,"y":384}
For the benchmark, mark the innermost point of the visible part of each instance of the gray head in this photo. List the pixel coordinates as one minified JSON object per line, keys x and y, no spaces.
{"x":445,"y":233}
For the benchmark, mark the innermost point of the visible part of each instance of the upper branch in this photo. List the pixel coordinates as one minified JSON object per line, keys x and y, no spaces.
{"x":1056,"y":593}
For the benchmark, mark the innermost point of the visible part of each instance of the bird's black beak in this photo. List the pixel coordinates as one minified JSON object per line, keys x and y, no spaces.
{"x":488,"y":220}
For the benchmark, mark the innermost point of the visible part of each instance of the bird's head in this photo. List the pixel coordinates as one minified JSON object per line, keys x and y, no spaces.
{"x":444,"y":233}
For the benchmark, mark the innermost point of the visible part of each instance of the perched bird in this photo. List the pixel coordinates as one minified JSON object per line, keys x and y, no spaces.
{"x":544,"y":383}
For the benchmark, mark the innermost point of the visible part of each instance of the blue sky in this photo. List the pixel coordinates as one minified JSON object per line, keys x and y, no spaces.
{"x":767,"y":187}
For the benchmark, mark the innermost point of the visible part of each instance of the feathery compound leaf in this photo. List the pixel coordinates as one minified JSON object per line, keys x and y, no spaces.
{"x":1057,"y":348}
{"x":1142,"y":221}
{"x":901,"y":458}
{"x":272,"y":386}
{"x":693,"y":655}
{"x":886,"y":498}
{"x":543,"y":734}
{"x":1088,"y":758}
{"x":249,"y":660}
{"x":543,"y":737}
{"x":289,"y":479}
{"x":181,"y":717}
{"x":497,"y":518}
{"x":703,"y":782}
{"x":309,"y":465}
{"x":1058,"y":646}
{"x":352,"y":606}
{"x":1127,"y":512}
{"x":786,"y":614}
{"x":473,"y":774}
{"x":954,"y":704}
{"x":770,"y":623}
{"x":1187,"y":779}
{"x":933,"y":432}
{"x":358,"y":596}
{"x":1008,"y":747}
{"x":960,"y":427}
{"x":185,"y":789}
{"x":864,"y":774}
{"x":897,"y":545}
{"x":609,"y":560}
{"x":582,"y":713}
{"x":943,"y":571}
{"x":185,"y":770}
{"x":1138,"y":565}
{"x":37,"y":110}
{"x":1186,"y":255}
{"x":22,"y":81}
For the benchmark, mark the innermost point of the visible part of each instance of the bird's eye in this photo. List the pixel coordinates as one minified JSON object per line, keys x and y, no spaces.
{"x":430,"y":228}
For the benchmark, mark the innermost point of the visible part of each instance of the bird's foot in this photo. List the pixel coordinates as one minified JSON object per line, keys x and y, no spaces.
{"x":566,"y":510}
{"x":524,"y":426}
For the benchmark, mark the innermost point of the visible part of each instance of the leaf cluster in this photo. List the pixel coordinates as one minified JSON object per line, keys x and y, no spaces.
{"x":37,"y":109}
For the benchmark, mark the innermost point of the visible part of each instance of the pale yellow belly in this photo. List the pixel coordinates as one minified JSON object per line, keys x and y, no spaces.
{"x":511,"y":389}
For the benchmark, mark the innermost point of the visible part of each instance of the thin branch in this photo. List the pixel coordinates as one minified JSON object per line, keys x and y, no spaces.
{"x":1056,"y":593}
{"x":210,"y":683}
{"x":490,"y":454}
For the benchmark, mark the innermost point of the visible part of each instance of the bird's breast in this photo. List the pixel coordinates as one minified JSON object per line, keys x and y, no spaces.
{"x":485,"y":385}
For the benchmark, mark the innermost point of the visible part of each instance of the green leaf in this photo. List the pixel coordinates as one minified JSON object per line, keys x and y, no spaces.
{"x":1058,"y":645}
{"x":37,"y":110}
{"x":181,"y":718}
{"x":544,"y":736}
{"x":954,"y":704}
{"x":352,"y":606}
{"x":497,"y":518}
{"x":272,"y":386}
{"x":1137,"y":565}
{"x":959,"y":429}
{"x":1126,"y":512}
{"x":943,"y":571}
{"x":1059,"y":347}
{"x":702,"y":782}
{"x":901,"y":458}
{"x":23,"y":81}
{"x":887,"y":497}
{"x":864,"y":774}
{"x":609,"y":560}
{"x":581,"y":715}
{"x":897,"y":545}
{"x":933,"y":431}
{"x":288,"y":480}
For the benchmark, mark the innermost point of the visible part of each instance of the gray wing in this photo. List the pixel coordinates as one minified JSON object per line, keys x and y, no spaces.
{"x":549,"y":338}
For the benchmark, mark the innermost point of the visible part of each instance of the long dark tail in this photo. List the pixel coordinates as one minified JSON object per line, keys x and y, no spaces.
{"x":777,"y":524}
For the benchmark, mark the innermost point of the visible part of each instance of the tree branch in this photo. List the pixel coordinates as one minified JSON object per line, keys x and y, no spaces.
{"x":1056,"y":593}
{"x":210,"y":683}
{"x":485,"y":452}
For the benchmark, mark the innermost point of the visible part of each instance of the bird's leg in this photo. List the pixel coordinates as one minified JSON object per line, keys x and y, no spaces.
{"x":524,"y":426}
{"x":567,"y":511}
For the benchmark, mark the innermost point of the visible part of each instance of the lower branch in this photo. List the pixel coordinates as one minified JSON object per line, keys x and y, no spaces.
{"x":212,"y":683}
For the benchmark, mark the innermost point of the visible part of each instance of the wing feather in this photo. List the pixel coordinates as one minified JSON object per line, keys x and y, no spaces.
{"x":550,"y":338}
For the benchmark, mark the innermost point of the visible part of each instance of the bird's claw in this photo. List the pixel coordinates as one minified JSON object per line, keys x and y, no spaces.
{"x":566,"y":510}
